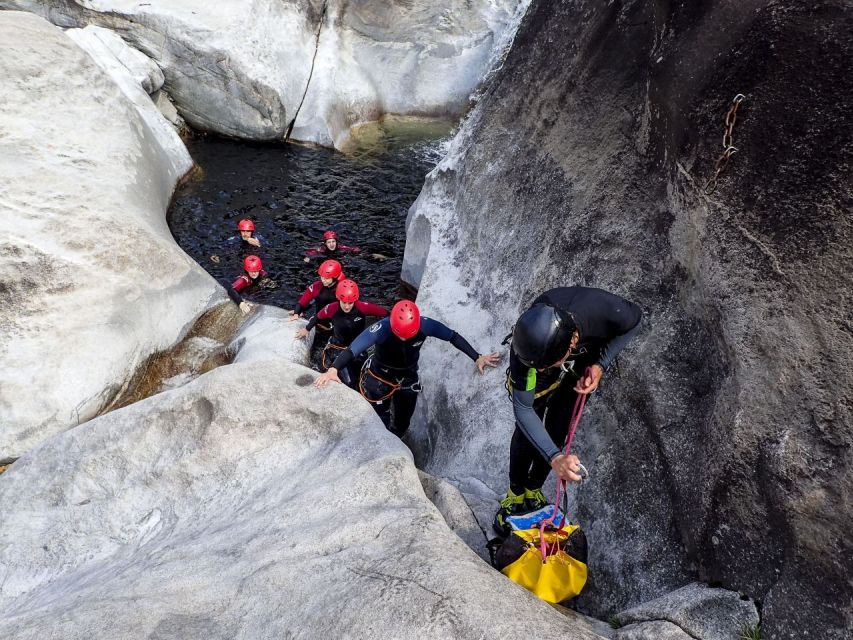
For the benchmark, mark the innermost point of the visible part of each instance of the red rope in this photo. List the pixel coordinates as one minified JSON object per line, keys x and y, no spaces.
{"x":575,"y":420}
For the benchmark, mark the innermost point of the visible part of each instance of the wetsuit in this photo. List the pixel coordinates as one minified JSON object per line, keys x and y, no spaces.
{"x":320,"y":296}
{"x":237,"y":242}
{"x":243,"y":283}
{"x":324,"y":253}
{"x":345,"y":328}
{"x":395,"y":361}
{"x":543,"y":401}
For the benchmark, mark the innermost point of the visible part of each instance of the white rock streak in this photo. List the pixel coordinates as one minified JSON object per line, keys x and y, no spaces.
{"x":92,"y":281}
{"x":241,"y":67}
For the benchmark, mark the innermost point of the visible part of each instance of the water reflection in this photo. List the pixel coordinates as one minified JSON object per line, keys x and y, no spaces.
{"x":293,"y":193}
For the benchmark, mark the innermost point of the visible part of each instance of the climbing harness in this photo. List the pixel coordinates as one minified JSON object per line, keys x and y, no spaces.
{"x":565,"y":368}
{"x":728,"y":144}
{"x":385,"y":389}
{"x":334,"y":347}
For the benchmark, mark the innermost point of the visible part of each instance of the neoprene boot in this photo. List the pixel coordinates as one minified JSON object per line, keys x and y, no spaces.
{"x":511,"y":504}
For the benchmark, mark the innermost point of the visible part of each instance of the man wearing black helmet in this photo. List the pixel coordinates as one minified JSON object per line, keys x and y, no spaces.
{"x":561,"y":346}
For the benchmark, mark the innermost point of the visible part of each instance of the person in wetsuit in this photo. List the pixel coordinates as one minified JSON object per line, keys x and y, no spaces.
{"x":246,"y":238}
{"x":348,"y":317}
{"x":331,"y":249}
{"x":561,"y":346}
{"x":390,"y":376}
{"x":319,"y":294}
{"x":254,"y":273}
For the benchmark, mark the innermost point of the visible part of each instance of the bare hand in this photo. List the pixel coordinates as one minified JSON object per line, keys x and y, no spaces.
{"x":294,"y":316}
{"x":306,"y":259}
{"x":246,"y":307}
{"x":589,"y":381}
{"x":567,"y":467}
{"x":302,"y":333}
{"x":330,"y":376}
{"x":487,"y":360}
{"x":254,"y":242}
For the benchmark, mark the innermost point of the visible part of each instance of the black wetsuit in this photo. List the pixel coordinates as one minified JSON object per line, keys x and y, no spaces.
{"x":246,"y":248}
{"x":345,"y":328}
{"x":396,"y":361}
{"x":606,"y":323}
{"x":320,"y":296}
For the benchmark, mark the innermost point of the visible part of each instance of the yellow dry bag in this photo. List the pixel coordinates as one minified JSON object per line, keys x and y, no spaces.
{"x":562,"y":573}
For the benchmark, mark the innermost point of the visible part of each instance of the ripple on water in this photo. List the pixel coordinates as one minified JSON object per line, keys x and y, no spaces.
{"x":294,"y":193}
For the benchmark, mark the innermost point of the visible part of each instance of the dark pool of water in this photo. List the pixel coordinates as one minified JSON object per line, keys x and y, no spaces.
{"x":293,"y":193}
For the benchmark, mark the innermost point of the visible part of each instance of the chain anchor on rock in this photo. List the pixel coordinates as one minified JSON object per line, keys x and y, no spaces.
{"x":728,"y":144}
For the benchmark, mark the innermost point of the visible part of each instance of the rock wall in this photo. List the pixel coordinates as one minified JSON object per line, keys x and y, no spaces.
{"x":291,"y":513}
{"x":259,"y":69}
{"x":722,"y":451}
{"x":91,"y":281}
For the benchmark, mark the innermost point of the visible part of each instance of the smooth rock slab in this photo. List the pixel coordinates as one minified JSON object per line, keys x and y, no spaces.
{"x":144,"y":70}
{"x":92,"y":281}
{"x":242,"y":67}
{"x":246,"y":504}
{"x":657,"y":630}
{"x":699,"y":611}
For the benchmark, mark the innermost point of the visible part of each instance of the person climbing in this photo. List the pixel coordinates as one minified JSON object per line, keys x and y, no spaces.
{"x":390,"y":375}
{"x":320,"y":294}
{"x":254,"y":274}
{"x":331,"y":248}
{"x":561,"y":346}
{"x":246,"y":237}
{"x":348,"y":318}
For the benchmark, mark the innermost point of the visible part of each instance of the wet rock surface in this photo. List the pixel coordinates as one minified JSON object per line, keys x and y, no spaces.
{"x":220,"y":516}
{"x":258,"y":69}
{"x":91,"y":281}
{"x":722,"y":450}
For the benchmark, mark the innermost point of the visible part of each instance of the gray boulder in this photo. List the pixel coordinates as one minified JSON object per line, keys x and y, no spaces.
{"x":721,"y":452}
{"x":314,"y":67}
{"x":245,"y":504}
{"x":92,"y":281}
{"x":697,"y":611}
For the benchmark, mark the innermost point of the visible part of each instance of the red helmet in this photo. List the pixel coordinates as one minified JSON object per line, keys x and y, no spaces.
{"x":245,"y":225}
{"x":330,"y":269}
{"x":253,"y":263}
{"x":347,"y":291}
{"x":330,"y":235}
{"x":405,"y":319}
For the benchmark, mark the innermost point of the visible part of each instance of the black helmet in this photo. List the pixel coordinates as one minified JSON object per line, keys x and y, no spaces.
{"x":542,"y":335}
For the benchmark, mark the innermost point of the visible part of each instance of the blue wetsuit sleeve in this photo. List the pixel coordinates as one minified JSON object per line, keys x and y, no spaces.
{"x":375,"y":333}
{"x":441,"y":331}
{"x":531,"y":425}
{"x":612,"y":348}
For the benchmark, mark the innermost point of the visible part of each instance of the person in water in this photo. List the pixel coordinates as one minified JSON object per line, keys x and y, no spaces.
{"x":253,"y":275}
{"x":331,"y":249}
{"x":390,"y":376}
{"x":246,"y":237}
{"x":348,"y":317}
{"x":561,"y":347}
{"x":319,"y":294}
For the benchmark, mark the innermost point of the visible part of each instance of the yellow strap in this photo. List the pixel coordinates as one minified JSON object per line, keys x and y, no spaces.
{"x":536,"y":395}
